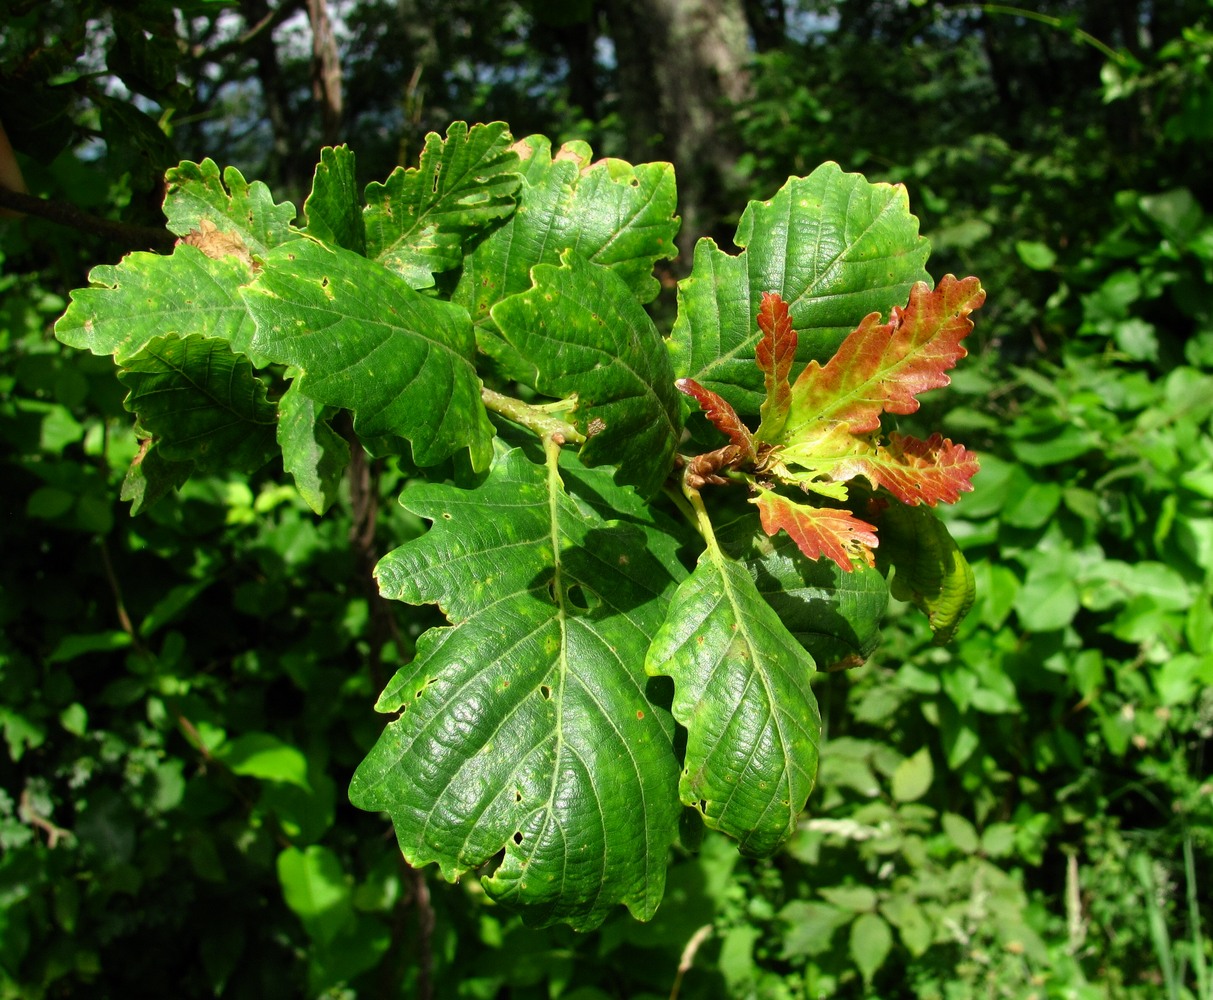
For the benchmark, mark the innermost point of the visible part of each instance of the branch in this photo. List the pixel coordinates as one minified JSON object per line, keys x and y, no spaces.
{"x":28,"y":814}
{"x":268,"y":22}
{"x":66,"y":214}
{"x":1120,"y":58}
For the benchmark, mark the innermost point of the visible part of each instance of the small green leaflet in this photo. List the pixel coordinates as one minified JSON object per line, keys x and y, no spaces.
{"x":363,"y":340}
{"x":832,"y":245}
{"x":742,"y":690}
{"x":525,"y":726}
{"x":929,"y":570}
{"x":151,"y":477}
{"x":312,"y":452}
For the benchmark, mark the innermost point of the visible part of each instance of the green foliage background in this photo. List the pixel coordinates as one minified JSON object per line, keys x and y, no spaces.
{"x":1024,"y":812}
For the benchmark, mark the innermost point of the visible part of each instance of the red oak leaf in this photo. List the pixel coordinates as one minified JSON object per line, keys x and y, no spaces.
{"x":819,"y":531}
{"x":774,"y":353}
{"x":722,"y":415}
{"x":912,"y":470}
{"x":881,"y":367}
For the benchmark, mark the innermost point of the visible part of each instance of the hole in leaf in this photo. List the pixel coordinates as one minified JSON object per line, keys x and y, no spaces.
{"x":518,"y":837}
{"x":545,"y":691}
{"x":517,"y":794}
{"x":579,"y":598}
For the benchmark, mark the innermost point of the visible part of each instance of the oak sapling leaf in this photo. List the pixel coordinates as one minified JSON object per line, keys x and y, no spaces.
{"x":419,"y":221}
{"x":774,"y":354}
{"x":723,"y":417}
{"x":822,"y":431}
{"x":882,"y":367}
{"x":819,"y":531}
{"x":927,"y":471}
{"x":198,"y":192}
{"x":742,"y":689}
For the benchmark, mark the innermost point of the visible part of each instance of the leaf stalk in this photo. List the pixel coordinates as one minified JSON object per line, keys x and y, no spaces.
{"x":544,"y":421}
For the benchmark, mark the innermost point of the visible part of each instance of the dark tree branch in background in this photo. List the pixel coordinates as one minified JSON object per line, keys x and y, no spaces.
{"x":141,"y":237}
{"x":274,"y":91}
{"x":264,"y":25}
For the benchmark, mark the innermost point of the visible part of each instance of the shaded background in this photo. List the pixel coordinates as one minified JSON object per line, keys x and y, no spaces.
{"x":1024,"y":813}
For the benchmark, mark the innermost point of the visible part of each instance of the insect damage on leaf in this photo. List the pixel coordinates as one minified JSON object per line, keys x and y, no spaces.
{"x":216,"y":243}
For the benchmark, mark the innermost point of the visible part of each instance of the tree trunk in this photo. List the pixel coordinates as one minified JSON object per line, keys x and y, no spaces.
{"x":326,"y":73}
{"x":681,"y":64}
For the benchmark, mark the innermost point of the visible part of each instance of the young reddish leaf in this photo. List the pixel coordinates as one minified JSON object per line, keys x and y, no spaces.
{"x":819,"y":531}
{"x":721,"y":414}
{"x":881,"y":367}
{"x":912,"y":470}
{"x":775,"y":352}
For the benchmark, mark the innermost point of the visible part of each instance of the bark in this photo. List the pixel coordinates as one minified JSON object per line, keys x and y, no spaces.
{"x":682,"y":64}
{"x":326,"y":72}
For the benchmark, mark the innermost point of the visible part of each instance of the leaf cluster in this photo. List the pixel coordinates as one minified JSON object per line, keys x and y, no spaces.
{"x":480,"y":318}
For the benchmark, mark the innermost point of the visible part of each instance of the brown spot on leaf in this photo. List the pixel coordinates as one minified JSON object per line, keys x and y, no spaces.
{"x":216,"y":243}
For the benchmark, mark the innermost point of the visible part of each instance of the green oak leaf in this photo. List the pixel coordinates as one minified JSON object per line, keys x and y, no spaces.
{"x":151,"y":477}
{"x":834,"y":614}
{"x":312,"y":452}
{"x":929,"y":570}
{"x":364,"y":341}
{"x":581,"y":331}
{"x":334,"y":209}
{"x":525,"y":727}
{"x":834,"y":246}
{"x":145,"y":296}
{"x":195,"y":191}
{"x":741,"y":689}
{"x":609,"y":212}
{"x":419,"y":219}
{"x":201,"y":403}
